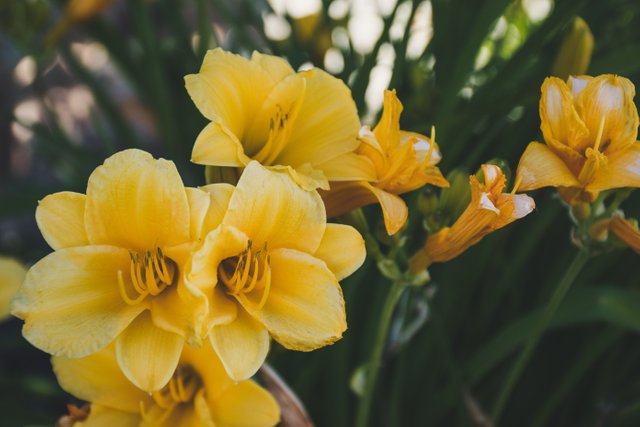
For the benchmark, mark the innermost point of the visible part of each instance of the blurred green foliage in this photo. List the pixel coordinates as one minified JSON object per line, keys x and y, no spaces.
{"x":478,"y":81}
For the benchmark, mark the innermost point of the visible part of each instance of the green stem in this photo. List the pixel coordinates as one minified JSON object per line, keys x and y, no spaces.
{"x":375,"y":362}
{"x":550,"y":310}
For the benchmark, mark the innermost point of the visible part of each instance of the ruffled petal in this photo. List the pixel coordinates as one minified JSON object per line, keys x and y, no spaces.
{"x":182,"y":313}
{"x":218,"y":146}
{"x":98,"y":379}
{"x":229,"y":89}
{"x":245,"y":404}
{"x":327,"y":123}
{"x":342,"y":249}
{"x":621,"y":170}
{"x":101,"y":416}
{"x":540,"y":167}
{"x":269,"y":207}
{"x":148,"y":355}
{"x":242,"y":345}
{"x":305,"y":308}
{"x":276,"y":67}
{"x":70,"y":301}
{"x":136,"y":202}
{"x":60,"y":218}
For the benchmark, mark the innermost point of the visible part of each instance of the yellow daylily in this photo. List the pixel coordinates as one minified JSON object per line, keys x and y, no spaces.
{"x":199,"y":393}
{"x":11,"y":277}
{"x":261,"y":109}
{"x":489,"y":210}
{"x":403,"y":161}
{"x":116,"y":269}
{"x":271,"y":268}
{"x":590,"y":126}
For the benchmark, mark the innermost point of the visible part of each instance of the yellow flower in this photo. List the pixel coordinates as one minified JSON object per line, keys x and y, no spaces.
{"x":403,"y":161}
{"x":489,"y":210}
{"x":199,"y":393}
{"x":261,"y":109}
{"x":116,"y":269}
{"x":590,"y":126}
{"x":11,"y":277}
{"x":271,"y":268}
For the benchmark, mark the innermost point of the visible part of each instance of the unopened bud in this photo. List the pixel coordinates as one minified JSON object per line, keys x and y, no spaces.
{"x":581,"y":211}
{"x":454,"y":200}
{"x":427,"y":201}
{"x":575,"y":51}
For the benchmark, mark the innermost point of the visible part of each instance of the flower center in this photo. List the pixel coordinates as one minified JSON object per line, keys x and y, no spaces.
{"x":181,"y":389}
{"x":151,"y":272}
{"x":249,"y":272}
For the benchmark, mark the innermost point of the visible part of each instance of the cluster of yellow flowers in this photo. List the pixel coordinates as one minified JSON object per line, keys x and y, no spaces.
{"x":159,"y":301}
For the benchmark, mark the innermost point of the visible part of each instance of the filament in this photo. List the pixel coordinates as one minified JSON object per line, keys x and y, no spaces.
{"x":149,"y":274}
{"x":247,"y":272}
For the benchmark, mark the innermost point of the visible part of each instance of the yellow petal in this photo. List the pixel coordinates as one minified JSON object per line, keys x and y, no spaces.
{"x":305,"y":307}
{"x":394,"y":209}
{"x":270,"y":131}
{"x":342,"y":249}
{"x":136,"y":202}
{"x":559,"y":119}
{"x":610,"y":98}
{"x":621,"y":170}
{"x":349,"y":167}
{"x":207,"y":364}
{"x":223,"y":242}
{"x":182,"y":313}
{"x":269,"y":207}
{"x":101,"y":416}
{"x":208,"y":208}
{"x":540,"y":167}
{"x":242,"y":345}
{"x":148,"y":355}
{"x":229,"y":89}
{"x":216,"y":145}
{"x":245,"y":404}
{"x":276,"y":67}
{"x":387,"y":131}
{"x":327,"y":123}
{"x":60,"y":218}
{"x":98,"y":379}
{"x":70,"y":301}
{"x":12,"y":274}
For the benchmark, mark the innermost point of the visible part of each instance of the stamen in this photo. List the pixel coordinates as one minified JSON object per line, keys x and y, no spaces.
{"x":599,"y":138}
{"x":150,"y":274}
{"x":251,"y":272}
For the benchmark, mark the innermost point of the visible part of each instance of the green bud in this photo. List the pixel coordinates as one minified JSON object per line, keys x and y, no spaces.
{"x":581,"y":211}
{"x":427,"y":201}
{"x":454,"y":200}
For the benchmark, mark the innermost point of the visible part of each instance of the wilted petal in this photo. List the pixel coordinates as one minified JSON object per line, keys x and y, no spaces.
{"x":269,"y":207}
{"x":136,"y":202}
{"x":621,"y":170}
{"x":540,"y":167}
{"x":560,"y":121}
{"x":607,"y":102}
{"x":148,"y":355}
{"x":242,"y":345}
{"x":70,"y":301}
{"x":60,"y":218}
{"x":305,"y":307}
{"x":342,"y":249}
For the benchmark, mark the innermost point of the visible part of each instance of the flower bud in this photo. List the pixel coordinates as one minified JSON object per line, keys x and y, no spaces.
{"x":454,"y":200}
{"x":575,"y":51}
